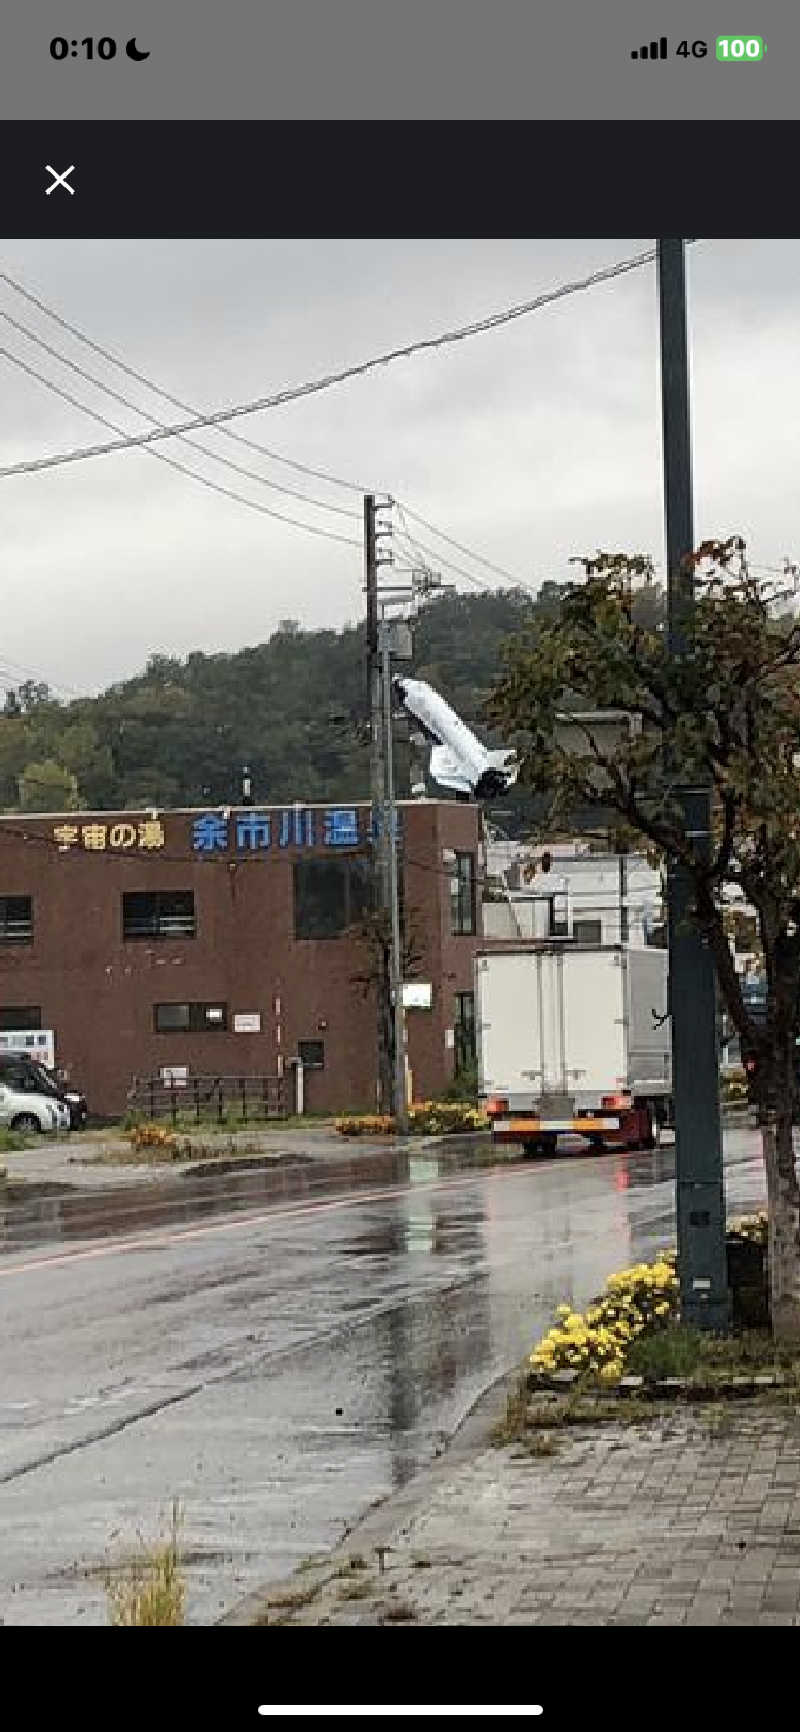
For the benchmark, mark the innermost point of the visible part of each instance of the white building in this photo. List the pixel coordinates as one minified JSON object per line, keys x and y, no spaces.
{"x":591,"y":898}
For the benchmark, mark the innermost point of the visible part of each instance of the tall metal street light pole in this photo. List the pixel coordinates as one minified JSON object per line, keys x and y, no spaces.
{"x":700,"y":1202}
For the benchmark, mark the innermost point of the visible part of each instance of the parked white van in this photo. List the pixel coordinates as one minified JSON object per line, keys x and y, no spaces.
{"x":28,"y":1100}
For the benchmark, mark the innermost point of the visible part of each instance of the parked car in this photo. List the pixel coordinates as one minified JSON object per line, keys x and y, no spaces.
{"x":77,"y":1103}
{"x":29,"y":1099}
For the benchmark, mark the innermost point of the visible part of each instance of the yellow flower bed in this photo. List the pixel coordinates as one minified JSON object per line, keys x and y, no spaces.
{"x":366,"y":1125}
{"x":152,"y":1137}
{"x":425,"y":1118}
{"x":596,"y":1341}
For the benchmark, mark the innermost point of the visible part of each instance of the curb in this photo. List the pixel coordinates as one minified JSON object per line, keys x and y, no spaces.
{"x":373,"y":1531}
{"x":667,"y":1388}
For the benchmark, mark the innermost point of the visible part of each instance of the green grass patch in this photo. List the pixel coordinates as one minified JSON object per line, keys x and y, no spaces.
{"x":672,"y":1352}
{"x":149,"y":1589}
{"x":11,"y":1142}
{"x":682,"y":1351}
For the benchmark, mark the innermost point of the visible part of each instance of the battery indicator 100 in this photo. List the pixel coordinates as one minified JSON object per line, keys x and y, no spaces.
{"x":740,"y":48}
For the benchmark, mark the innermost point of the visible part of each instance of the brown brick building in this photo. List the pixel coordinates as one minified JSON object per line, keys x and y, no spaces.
{"x":221,"y":943}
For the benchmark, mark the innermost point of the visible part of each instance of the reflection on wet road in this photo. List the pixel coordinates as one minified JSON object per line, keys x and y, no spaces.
{"x":278,"y":1366}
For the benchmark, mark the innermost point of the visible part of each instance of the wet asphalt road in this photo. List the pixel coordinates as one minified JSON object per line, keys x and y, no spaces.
{"x":279,"y":1369}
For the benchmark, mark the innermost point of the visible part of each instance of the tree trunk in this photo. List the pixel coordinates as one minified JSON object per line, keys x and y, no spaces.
{"x":783,"y":1199}
{"x":385,"y":1035}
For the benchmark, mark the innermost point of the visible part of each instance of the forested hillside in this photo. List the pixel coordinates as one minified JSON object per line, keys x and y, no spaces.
{"x":293,"y":709}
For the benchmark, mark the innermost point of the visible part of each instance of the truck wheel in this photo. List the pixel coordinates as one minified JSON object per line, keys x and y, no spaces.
{"x":540,"y":1146}
{"x":27,"y":1123}
{"x":648,"y":1122}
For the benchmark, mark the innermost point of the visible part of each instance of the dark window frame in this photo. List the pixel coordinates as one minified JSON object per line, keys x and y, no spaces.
{"x":9,"y":1026}
{"x":197,"y":1016}
{"x":156,"y":925}
{"x":16,"y":927}
{"x":463,"y":896}
{"x":579,"y":928}
{"x":465,"y":1041}
{"x":311,"y":1063}
{"x":356,"y":887}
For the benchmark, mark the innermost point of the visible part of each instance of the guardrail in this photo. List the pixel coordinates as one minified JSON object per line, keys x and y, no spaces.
{"x":251,"y":1098}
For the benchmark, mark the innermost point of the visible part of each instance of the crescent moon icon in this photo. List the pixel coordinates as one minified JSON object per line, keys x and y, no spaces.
{"x":135,"y":53}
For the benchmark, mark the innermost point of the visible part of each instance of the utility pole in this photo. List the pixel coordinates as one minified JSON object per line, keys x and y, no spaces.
{"x":380,"y":840}
{"x":700,"y":1202}
{"x":390,"y":829}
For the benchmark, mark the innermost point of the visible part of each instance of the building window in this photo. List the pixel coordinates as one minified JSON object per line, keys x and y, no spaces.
{"x":158,"y":914}
{"x":19,"y":1016}
{"x":330,"y":896}
{"x":464,"y":1029}
{"x":558,"y":917}
{"x":462,"y":896}
{"x":16,"y":920}
{"x":189,"y":1018}
{"x":587,"y":931}
{"x":311,"y":1054}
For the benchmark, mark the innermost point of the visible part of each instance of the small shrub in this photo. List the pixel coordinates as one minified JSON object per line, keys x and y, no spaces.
{"x":366,"y":1125}
{"x":676,"y":1351}
{"x":751,"y":1227}
{"x":151,"y":1589}
{"x":436,"y":1118}
{"x":733,"y":1088}
{"x":157,"y":1138}
{"x":464,"y":1086}
{"x":425,"y":1119}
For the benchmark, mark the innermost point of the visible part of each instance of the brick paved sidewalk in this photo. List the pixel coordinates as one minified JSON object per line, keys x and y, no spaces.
{"x":689,"y":1518}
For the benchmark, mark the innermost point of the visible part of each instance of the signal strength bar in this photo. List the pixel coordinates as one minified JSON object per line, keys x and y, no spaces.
{"x":656,"y":51}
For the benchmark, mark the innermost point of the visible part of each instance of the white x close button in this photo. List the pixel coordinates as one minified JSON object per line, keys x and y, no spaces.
{"x":60,"y":180}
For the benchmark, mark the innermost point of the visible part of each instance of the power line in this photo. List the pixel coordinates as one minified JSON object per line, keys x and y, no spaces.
{"x":461,"y":546}
{"x":423,"y":554}
{"x":326,"y":381}
{"x":169,"y":397}
{"x":227,"y":462}
{"x":183,"y":469}
{"x":432,"y":559}
{"x":11,"y":670}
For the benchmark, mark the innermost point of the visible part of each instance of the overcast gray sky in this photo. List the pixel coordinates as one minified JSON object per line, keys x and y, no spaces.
{"x":532,"y":443}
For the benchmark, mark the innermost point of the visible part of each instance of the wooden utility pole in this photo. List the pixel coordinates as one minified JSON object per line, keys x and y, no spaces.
{"x":700,"y":1203}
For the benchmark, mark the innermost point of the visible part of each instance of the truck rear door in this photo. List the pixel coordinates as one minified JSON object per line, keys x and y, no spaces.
{"x":594,"y":1022}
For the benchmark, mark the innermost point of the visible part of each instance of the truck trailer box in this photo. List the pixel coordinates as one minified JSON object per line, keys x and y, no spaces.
{"x":573,"y":1038}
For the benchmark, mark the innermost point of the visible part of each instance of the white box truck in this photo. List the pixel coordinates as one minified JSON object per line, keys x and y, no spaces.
{"x":574,"y":1039}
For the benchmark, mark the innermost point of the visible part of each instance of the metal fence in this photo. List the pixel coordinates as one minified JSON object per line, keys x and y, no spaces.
{"x":252,"y":1099}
